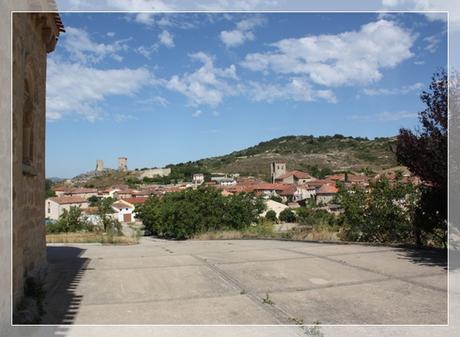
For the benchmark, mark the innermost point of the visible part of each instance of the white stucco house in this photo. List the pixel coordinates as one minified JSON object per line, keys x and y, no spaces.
{"x":124,"y":209}
{"x":55,"y":206}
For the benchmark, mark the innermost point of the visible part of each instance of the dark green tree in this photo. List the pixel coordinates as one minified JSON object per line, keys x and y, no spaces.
{"x":424,"y":152}
{"x":287,"y":215}
{"x":383,"y":213}
{"x":271,"y":215}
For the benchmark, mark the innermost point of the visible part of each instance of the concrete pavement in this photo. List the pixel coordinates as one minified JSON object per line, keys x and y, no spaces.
{"x":244,"y":282}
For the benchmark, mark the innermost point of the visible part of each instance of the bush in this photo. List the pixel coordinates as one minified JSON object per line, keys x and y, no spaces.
{"x":271,"y":215}
{"x":384,"y":214}
{"x":183,"y":214}
{"x":70,"y":220}
{"x":287,"y":215}
{"x":318,"y":218}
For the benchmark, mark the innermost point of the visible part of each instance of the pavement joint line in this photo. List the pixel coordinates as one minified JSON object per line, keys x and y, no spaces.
{"x":302,"y":257}
{"x":403,"y":279}
{"x":335,"y":285}
{"x":280,"y":315}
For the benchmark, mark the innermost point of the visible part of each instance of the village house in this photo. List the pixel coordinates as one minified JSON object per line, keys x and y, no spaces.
{"x":304,"y":192}
{"x":349,"y":179}
{"x":224,"y":181}
{"x":198,"y":178}
{"x":124,"y":209}
{"x":55,"y":206}
{"x":127,"y":193}
{"x":294,"y":177}
{"x":81,"y":192}
{"x":326,"y":194}
{"x":109,"y":193}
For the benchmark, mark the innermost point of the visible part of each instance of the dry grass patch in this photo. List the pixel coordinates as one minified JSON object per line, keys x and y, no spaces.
{"x":91,"y":237}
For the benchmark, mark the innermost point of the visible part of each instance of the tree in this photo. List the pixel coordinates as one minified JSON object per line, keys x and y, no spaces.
{"x":180,"y":215}
{"x":384,"y":213}
{"x":271,"y":215}
{"x":104,"y":208}
{"x":71,"y":220}
{"x":93,"y":200}
{"x":424,"y":152}
{"x":287,"y":215}
{"x":49,"y":188}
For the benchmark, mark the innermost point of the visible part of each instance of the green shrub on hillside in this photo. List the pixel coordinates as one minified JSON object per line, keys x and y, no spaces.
{"x":181,"y":215}
{"x":287,"y":215}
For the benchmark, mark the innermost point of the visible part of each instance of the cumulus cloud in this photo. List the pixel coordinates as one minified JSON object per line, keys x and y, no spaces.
{"x":166,"y":39}
{"x":394,"y":91}
{"x":355,"y":57}
{"x":76,"y":89}
{"x":297,"y":89}
{"x":208,"y":85}
{"x":425,"y":5}
{"x":243,"y":31}
{"x":78,"y":43}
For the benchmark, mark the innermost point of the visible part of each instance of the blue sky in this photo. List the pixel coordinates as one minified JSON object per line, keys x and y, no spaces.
{"x":168,"y":88}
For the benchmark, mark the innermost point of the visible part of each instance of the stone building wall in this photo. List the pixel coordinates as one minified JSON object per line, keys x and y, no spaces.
{"x":34,"y":35}
{"x":157,"y":172}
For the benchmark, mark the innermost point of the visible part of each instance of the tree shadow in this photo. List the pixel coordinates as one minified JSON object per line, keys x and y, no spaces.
{"x":65,"y":271}
{"x":426,"y":256}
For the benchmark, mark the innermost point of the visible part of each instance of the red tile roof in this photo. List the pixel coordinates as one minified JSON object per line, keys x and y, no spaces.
{"x":120,"y":205}
{"x":69,"y":200}
{"x":328,"y":189}
{"x":82,"y":190}
{"x":133,"y":201}
{"x":297,"y":174}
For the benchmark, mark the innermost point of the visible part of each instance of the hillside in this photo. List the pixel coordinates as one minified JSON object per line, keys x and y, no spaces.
{"x":335,"y":153}
{"x":316,"y":155}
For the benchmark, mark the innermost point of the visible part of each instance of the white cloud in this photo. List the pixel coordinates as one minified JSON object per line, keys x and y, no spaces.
{"x":355,"y":57}
{"x":145,"y":18}
{"x":154,"y":100}
{"x":396,"y":116}
{"x":432,"y":43}
{"x":243,"y":31}
{"x":394,"y":91}
{"x":165,"y":5}
{"x":208,"y":85}
{"x":120,"y":118}
{"x":78,"y":90}
{"x":385,"y":116}
{"x":166,"y":39}
{"x":297,"y":89}
{"x":424,"y":5}
{"x":197,"y":113}
{"x":82,"y":48}
{"x":147,"y":51}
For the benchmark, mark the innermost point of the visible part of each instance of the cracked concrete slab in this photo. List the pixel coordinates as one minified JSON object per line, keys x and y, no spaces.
{"x":227,"y":282}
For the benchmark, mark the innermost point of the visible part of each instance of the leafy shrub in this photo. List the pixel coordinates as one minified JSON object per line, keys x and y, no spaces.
{"x":271,"y":215}
{"x":287,"y":215}
{"x":318,"y":218}
{"x":70,"y":220}
{"x":385,"y":213}
{"x":181,"y":215}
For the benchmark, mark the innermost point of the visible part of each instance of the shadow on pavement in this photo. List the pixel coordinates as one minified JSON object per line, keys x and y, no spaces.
{"x":426,"y":257}
{"x":65,"y":270}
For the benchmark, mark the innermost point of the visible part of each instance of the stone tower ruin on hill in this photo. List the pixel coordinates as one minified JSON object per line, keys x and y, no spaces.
{"x":122,"y":164}
{"x":99,"y":165}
